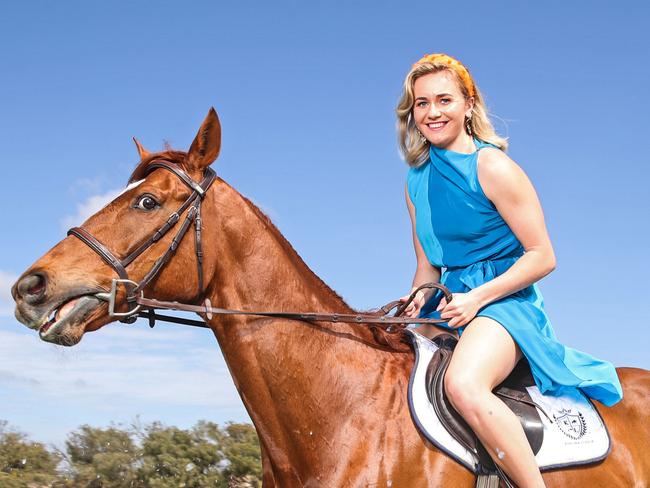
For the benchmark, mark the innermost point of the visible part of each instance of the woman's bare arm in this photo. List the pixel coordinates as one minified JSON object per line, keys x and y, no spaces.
{"x":425,"y":272}
{"x":514,"y":196}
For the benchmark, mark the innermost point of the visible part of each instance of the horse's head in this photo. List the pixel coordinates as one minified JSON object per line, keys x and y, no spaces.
{"x":65,"y":293}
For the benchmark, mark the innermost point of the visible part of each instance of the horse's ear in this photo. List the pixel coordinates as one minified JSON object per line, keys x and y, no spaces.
{"x":141,"y":150}
{"x":207,"y":143}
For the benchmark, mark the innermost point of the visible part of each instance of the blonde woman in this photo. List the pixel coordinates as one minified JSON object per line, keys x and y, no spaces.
{"x":475,"y":213}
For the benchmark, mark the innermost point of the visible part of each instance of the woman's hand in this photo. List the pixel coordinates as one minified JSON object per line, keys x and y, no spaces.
{"x":461,"y":310}
{"x":413,"y":309}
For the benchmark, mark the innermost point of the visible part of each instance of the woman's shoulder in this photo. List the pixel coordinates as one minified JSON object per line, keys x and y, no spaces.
{"x":482,"y":145}
{"x":493,"y":161}
{"x":496,"y":170}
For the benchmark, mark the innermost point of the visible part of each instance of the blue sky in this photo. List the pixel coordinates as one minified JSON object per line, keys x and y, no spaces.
{"x":306,"y":94}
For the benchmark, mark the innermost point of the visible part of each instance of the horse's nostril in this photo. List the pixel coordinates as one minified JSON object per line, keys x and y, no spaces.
{"x":32,"y":287}
{"x":36,"y":289}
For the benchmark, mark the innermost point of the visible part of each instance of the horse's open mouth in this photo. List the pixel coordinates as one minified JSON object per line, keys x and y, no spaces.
{"x":72,"y":312}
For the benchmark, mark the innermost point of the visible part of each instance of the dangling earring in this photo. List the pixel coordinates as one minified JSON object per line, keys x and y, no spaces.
{"x":423,"y":139}
{"x":468,"y":125}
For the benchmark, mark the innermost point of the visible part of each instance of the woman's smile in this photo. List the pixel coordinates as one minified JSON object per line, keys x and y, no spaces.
{"x":437,"y":126}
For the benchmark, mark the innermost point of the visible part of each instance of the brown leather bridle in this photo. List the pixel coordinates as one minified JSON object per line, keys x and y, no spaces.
{"x":139,"y":306}
{"x":134,"y":290}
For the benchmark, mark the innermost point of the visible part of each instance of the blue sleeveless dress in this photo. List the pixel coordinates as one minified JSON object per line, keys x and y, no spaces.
{"x":461,"y":230}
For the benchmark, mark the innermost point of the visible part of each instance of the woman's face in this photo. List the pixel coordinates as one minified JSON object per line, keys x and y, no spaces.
{"x":440,"y":108}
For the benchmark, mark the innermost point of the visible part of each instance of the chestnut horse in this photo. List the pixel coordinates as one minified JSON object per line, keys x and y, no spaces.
{"x":329,"y":401}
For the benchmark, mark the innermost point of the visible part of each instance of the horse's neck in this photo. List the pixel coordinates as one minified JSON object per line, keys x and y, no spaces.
{"x":291,"y":375}
{"x":256,"y":268}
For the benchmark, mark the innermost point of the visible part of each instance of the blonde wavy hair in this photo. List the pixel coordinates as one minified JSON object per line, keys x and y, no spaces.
{"x":414,"y":149}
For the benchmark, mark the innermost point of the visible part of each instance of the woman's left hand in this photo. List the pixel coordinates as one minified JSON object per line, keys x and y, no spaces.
{"x":462,"y":308}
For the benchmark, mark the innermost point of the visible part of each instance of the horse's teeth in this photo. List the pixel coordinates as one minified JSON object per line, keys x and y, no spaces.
{"x":66,"y":308}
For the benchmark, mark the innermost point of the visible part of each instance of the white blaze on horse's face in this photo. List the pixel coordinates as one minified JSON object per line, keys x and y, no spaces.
{"x":131,"y":186}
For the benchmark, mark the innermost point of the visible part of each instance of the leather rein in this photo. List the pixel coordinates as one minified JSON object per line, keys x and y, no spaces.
{"x":139,"y":306}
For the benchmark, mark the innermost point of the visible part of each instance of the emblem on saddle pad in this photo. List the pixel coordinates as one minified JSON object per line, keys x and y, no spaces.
{"x":572,"y":425}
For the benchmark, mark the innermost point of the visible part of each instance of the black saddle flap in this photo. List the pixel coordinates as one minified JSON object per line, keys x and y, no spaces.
{"x":449,"y":417}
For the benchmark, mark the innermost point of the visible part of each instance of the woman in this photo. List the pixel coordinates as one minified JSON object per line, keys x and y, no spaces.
{"x":476,"y":214}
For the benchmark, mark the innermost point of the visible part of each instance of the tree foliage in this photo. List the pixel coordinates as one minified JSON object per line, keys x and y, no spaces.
{"x":101,"y":458}
{"x":241,"y":448}
{"x":151,"y":456}
{"x":173,"y":457}
{"x":24,"y":463}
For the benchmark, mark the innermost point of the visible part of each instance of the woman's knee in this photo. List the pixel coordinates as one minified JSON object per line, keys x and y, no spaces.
{"x":465,"y":393}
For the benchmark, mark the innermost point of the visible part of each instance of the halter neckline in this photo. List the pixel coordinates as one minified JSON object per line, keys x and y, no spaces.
{"x":441,"y":152}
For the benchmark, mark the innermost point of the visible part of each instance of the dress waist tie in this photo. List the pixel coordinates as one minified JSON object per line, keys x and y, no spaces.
{"x":475,"y":274}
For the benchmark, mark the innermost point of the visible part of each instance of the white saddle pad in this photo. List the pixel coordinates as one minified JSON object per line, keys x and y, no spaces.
{"x":574,"y":435}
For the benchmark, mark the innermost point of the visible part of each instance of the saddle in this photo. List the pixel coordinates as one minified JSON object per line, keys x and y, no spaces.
{"x":512,"y":391}
{"x":564,"y":429}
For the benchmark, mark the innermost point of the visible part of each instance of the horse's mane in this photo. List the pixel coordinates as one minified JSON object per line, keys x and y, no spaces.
{"x":289,"y":248}
{"x":391,"y":337}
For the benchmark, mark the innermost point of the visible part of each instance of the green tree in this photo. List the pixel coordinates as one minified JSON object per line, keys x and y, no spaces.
{"x":173,"y":457}
{"x":241,"y":447}
{"x":102,"y":458}
{"x":24,"y":463}
{"x":153,"y":456}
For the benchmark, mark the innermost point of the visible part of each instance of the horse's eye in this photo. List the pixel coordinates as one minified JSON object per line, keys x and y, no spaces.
{"x":146,"y":203}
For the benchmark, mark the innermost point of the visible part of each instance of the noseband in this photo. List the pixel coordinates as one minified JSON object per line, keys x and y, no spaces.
{"x":134,"y":289}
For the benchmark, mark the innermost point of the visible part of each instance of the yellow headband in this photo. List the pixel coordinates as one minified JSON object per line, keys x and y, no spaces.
{"x":454,"y":64}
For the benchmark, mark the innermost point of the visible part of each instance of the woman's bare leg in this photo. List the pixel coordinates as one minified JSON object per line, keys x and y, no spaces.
{"x":484,"y":356}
